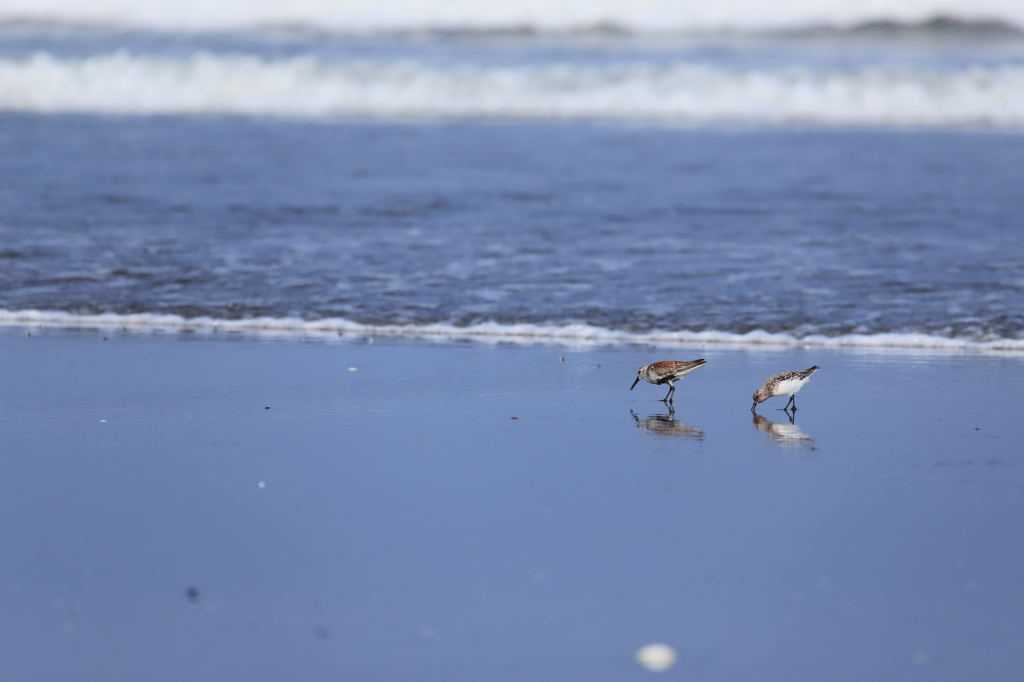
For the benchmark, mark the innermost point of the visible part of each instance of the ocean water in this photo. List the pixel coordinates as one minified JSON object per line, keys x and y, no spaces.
{"x":820,"y":174}
{"x":715,"y":177}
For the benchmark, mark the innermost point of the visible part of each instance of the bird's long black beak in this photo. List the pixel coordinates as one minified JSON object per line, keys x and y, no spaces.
{"x":635,"y":382}
{"x":753,"y":408}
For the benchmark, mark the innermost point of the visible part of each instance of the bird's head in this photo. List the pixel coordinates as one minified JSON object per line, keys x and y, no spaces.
{"x":639,"y":376}
{"x":761,"y":395}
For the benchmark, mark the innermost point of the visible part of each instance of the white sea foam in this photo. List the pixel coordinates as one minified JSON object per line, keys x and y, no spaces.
{"x":573,"y":334}
{"x":638,"y":15}
{"x":685,"y":93}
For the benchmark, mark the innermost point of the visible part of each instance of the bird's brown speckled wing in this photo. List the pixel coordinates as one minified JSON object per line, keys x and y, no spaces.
{"x":773,"y":382}
{"x":673,"y":366}
{"x":786,"y":376}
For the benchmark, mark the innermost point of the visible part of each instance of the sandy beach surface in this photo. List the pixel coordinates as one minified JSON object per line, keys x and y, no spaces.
{"x":471,"y":511}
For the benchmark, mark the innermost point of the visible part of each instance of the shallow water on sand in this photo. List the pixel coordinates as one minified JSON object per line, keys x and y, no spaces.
{"x":396,"y":522}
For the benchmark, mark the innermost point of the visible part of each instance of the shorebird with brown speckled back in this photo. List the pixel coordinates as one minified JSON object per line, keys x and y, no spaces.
{"x":666,"y":372}
{"x":787,"y":383}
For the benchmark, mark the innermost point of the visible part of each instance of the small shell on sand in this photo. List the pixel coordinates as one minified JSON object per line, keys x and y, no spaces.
{"x":656,"y":657}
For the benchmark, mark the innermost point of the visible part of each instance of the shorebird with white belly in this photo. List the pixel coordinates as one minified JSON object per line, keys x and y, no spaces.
{"x":787,"y":383}
{"x":666,"y":372}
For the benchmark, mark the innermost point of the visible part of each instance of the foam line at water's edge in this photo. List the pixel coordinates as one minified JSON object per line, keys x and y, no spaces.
{"x":572,"y":334}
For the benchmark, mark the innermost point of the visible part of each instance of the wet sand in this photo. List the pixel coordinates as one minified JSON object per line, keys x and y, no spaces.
{"x":158,"y":522}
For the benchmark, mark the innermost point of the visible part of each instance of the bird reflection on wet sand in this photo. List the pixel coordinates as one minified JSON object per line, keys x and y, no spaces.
{"x":667,"y":425}
{"x":785,"y":434}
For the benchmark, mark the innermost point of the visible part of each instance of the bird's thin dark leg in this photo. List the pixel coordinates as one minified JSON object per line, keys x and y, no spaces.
{"x":786,"y":408}
{"x":668,"y":396}
{"x":793,"y":398}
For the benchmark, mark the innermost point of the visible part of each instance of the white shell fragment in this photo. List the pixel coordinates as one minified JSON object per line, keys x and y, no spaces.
{"x":656,"y":657}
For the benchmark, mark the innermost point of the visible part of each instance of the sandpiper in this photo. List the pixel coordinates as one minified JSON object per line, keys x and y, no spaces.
{"x":787,"y":383}
{"x":666,"y":372}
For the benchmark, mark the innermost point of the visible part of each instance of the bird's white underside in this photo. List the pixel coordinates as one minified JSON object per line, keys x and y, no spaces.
{"x":791,"y":386}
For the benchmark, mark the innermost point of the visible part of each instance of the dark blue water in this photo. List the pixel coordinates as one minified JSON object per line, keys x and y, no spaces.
{"x":630,"y":228}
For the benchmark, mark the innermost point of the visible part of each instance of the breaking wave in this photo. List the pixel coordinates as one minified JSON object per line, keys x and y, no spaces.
{"x":304,"y":87}
{"x":573,"y":334}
